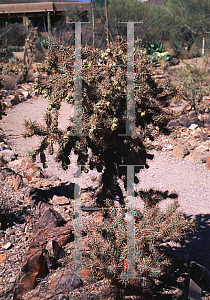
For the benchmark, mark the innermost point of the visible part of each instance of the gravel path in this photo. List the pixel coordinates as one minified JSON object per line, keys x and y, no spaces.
{"x":189,"y":180}
{"x":166,"y":173}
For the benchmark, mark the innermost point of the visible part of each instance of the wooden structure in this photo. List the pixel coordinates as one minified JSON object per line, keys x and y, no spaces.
{"x":37,"y":12}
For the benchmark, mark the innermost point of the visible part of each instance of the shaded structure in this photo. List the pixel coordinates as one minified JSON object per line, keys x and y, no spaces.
{"x":37,"y":12}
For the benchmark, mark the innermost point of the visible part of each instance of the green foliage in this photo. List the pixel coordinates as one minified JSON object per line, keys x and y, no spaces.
{"x":193,"y":81}
{"x":15,"y":36}
{"x":188,"y":20}
{"x":154,"y":46}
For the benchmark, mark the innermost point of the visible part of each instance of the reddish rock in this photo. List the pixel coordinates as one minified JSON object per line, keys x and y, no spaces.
{"x":86,"y":273}
{"x":17,"y":181}
{"x":208,"y":163}
{"x":3,"y":257}
{"x":27,"y":283}
{"x":46,"y":243}
{"x":61,"y":235}
{"x":49,"y":219}
{"x":31,"y":170}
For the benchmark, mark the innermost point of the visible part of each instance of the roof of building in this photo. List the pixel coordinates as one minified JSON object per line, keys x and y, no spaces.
{"x":40,"y":7}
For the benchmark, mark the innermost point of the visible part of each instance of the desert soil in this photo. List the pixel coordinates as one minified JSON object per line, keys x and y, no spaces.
{"x":166,"y":172}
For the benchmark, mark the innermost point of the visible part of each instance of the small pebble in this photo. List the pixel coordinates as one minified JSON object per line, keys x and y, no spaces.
{"x":7,"y":246}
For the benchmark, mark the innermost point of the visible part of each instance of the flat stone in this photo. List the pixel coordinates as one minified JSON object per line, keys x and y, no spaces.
{"x":200,"y":275}
{"x":202,"y":148}
{"x":184,"y":121}
{"x":193,"y":126}
{"x":197,"y":158}
{"x":60,"y":200}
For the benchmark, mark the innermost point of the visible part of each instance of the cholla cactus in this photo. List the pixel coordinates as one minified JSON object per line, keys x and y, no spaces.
{"x":104,"y":108}
{"x":108,"y":243}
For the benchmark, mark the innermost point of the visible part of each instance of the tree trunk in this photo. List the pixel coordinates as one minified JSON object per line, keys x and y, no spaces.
{"x":107,"y":24}
{"x":93,"y":18}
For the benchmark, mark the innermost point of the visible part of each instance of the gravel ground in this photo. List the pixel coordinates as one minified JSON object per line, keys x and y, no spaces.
{"x":189,"y":180}
{"x":166,"y":173}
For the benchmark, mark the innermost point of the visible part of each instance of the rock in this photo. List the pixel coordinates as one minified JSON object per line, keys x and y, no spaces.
{"x":65,"y":281}
{"x":202,"y":148}
{"x":7,"y":246}
{"x":180,"y":151}
{"x":31,"y":170}
{"x":49,"y":219}
{"x":168,"y":147}
{"x":61,"y":235}
{"x":199,"y":123}
{"x":193,"y":144}
{"x":26,"y":94}
{"x":30,"y":76}
{"x":193,"y":126}
{"x":86,"y":273}
{"x":3,"y":257}
{"x":4,"y":147}
{"x":200,"y":136}
{"x":188,"y":107}
{"x":17,"y":181}
{"x":197,"y":158}
{"x":29,"y":281}
{"x":53,"y":250}
{"x":11,"y":100}
{"x":208,"y":163}
{"x":184,"y":121}
{"x":173,"y":123}
{"x":207,"y":120}
{"x":6,"y":172}
{"x":8,"y":155}
{"x":200,"y":275}
{"x":98,"y":218}
{"x":59,"y":200}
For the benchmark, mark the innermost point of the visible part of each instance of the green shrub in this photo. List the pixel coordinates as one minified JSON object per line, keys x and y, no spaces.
{"x":193,"y":81}
{"x":15,"y":36}
{"x":155,"y":47}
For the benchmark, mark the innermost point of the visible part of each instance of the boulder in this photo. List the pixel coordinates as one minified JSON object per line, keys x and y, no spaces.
{"x":65,"y":281}
{"x":44,"y":250}
{"x":49,"y":219}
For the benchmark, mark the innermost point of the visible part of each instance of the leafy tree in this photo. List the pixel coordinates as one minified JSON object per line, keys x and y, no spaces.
{"x":190,"y":19}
